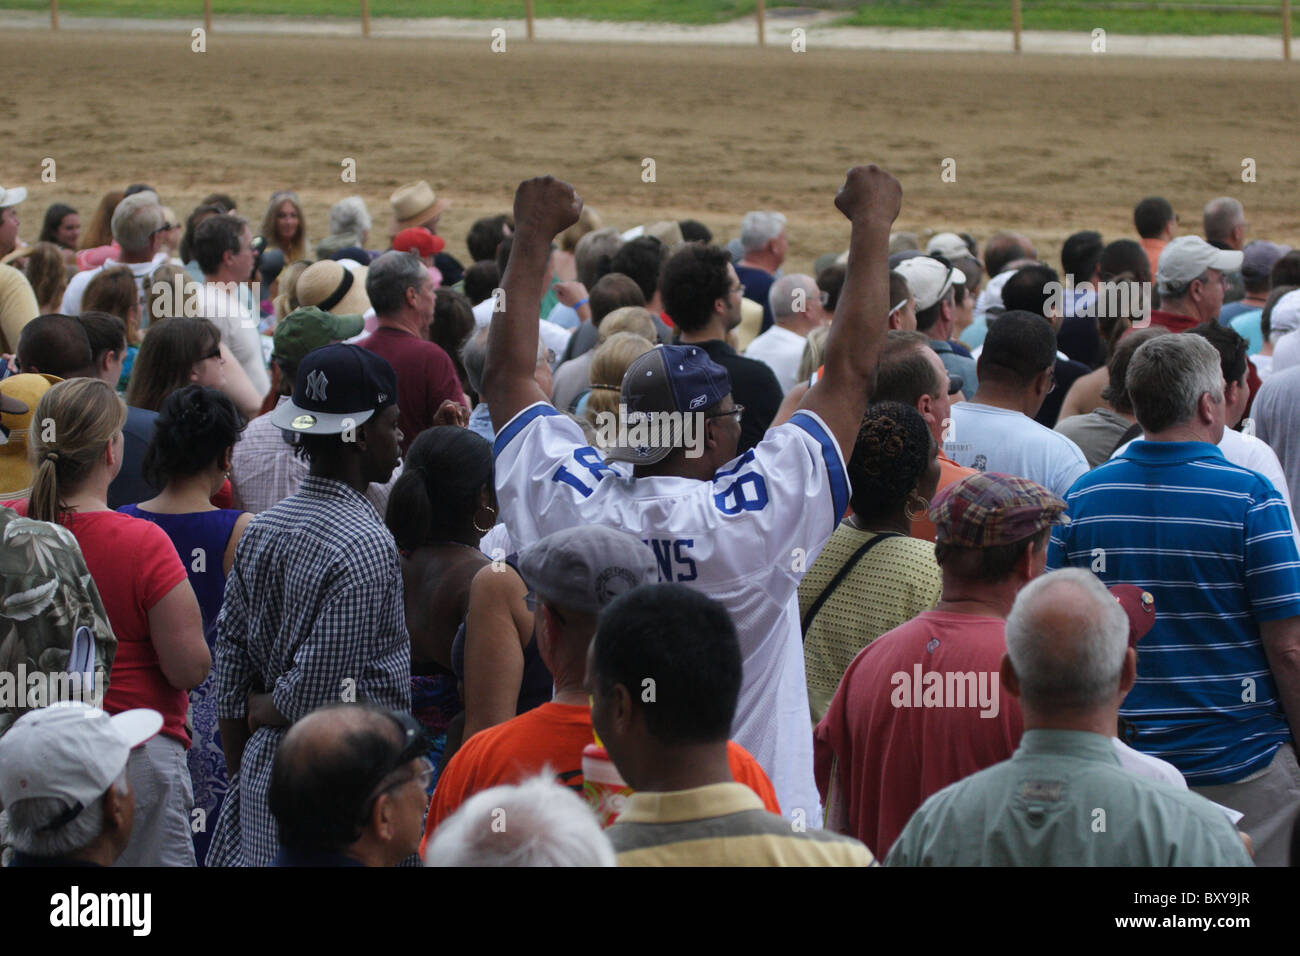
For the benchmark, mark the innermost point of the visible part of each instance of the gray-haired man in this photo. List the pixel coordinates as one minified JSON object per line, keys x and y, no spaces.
{"x":401,"y":290}
{"x":763,"y":239}
{"x":64,"y":785}
{"x":796,"y":305}
{"x":1219,"y":692}
{"x":1063,"y":799}
{"x":138,"y":225}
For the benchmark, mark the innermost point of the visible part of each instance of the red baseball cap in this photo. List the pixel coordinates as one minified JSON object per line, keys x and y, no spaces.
{"x":419,"y":240}
{"x":1140,"y":606}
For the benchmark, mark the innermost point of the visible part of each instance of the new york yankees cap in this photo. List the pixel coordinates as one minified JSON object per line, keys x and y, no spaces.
{"x":338,"y":387}
{"x":669,"y":379}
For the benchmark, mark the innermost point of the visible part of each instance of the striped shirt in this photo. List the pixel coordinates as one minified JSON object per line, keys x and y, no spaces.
{"x":723,"y":824}
{"x":313,"y":613}
{"x":1212,"y":542}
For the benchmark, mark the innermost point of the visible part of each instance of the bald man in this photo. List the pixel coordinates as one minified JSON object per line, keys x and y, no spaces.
{"x":348,"y":788}
{"x":1063,"y":799}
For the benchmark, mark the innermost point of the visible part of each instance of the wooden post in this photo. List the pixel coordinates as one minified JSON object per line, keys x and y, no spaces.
{"x":365,"y":18}
{"x":54,"y":14}
{"x":1286,"y":29}
{"x":761,"y":13}
{"x":528,"y":11}
{"x":1015,"y":23}
{"x":207,"y":16}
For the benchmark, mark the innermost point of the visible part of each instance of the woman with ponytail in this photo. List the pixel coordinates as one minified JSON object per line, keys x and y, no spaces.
{"x":438,"y":511}
{"x":75,"y":451}
{"x":189,"y":459}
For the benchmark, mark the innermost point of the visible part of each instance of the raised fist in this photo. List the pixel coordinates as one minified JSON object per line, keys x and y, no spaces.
{"x":547,"y":205}
{"x":451,"y":413}
{"x":869,"y":192}
{"x":570,"y":293}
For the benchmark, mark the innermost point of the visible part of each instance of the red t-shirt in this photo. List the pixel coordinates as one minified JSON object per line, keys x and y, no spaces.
{"x":225,"y":496}
{"x":134,"y":565}
{"x":551,"y":735}
{"x":894,"y":738}
{"x":426,"y":377}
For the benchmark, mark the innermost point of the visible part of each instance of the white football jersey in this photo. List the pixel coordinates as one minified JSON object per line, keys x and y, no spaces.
{"x":745,"y":539}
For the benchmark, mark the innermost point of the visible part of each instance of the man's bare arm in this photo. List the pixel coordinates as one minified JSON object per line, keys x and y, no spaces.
{"x":1281,"y":640}
{"x":544,"y":207}
{"x":870,"y":198}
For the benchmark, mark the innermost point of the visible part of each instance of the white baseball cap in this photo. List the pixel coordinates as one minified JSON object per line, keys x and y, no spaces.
{"x":1285,"y":316}
{"x":950,"y":246}
{"x":1187,"y":257}
{"x":70,"y":751}
{"x":11,"y":197}
{"x":928,"y":279}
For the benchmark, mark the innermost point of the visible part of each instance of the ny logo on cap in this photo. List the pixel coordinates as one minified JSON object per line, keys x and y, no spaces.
{"x":316,"y":383}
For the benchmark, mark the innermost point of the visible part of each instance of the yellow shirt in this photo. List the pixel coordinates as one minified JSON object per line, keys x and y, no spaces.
{"x":893,"y":582}
{"x":724,"y":824}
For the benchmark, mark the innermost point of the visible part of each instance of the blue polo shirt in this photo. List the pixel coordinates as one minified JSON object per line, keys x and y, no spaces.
{"x":1212,"y":543}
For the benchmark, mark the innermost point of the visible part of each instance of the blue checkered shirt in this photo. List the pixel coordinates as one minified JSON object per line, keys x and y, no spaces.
{"x":313,"y":614}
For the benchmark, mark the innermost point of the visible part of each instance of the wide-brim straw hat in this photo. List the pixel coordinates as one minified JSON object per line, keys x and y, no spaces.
{"x":413,"y":205}
{"x":333,"y":287}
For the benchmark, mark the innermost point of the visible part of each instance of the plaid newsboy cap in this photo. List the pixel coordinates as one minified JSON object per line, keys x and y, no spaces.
{"x":987,"y":509}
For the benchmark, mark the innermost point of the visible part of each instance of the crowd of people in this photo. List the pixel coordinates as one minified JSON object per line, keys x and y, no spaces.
{"x":632,"y":548}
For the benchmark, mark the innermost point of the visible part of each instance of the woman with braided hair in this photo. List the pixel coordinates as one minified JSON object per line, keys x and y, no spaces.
{"x":872,"y":576}
{"x":189,"y":459}
{"x":75,"y":452}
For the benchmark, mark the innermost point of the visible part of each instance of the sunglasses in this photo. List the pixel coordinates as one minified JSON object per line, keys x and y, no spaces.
{"x":533,"y":602}
{"x":415,"y":744}
{"x":738,"y":411}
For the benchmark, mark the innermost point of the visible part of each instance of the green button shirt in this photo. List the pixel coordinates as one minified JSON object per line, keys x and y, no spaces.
{"x":1063,"y":800}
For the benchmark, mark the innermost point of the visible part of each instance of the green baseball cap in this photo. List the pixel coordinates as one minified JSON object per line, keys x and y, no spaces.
{"x":307,"y":329}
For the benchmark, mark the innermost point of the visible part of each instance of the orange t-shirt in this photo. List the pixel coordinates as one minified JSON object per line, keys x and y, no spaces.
{"x":949,"y":472}
{"x":552,"y":735}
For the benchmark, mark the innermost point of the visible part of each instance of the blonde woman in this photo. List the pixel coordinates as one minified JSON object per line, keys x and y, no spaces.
{"x":608,"y":366}
{"x":284,"y":227}
{"x":151,"y":606}
{"x":814,"y":348}
{"x":286,"y":291}
{"x":573,"y":378}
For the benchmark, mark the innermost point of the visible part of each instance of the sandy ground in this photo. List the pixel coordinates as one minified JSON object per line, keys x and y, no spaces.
{"x":1047,"y":144}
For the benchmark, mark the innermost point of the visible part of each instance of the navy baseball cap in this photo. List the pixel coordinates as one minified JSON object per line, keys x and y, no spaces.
{"x":670,"y":381}
{"x":338,"y":387}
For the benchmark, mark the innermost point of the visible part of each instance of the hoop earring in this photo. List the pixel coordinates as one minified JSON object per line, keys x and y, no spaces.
{"x":491,"y":511}
{"x":920,"y":511}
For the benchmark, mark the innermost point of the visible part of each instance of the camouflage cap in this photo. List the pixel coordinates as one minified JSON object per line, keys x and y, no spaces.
{"x":986,"y":510}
